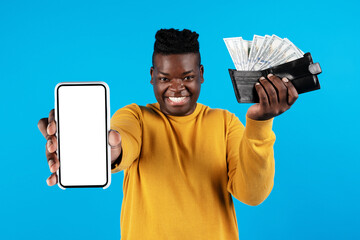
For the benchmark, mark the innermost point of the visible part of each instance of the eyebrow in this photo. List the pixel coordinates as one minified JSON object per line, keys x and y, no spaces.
{"x":166,"y":74}
{"x":184,"y":73}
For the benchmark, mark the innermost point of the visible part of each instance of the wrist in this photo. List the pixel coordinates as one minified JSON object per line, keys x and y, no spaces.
{"x":259,"y":118}
{"x":116,"y":161}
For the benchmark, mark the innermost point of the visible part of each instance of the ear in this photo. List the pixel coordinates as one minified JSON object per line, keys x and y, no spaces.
{"x":201,"y":73}
{"x":152,"y":74}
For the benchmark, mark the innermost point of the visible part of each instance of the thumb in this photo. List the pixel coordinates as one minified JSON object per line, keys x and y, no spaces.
{"x":114,"y":139}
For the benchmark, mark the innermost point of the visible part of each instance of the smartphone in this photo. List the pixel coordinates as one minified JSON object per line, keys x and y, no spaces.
{"x":82,"y":119}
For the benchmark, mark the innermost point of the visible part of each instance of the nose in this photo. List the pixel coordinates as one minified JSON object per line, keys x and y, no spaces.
{"x":176,"y":84}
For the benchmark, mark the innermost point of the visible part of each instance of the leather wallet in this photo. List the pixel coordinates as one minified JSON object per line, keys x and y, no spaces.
{"x":301,"y":72}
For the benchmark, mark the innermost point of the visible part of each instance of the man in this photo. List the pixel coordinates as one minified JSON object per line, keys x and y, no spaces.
{"x":184,"y":160}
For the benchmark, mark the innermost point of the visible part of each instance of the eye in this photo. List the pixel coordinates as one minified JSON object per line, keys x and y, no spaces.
{"x":163,"y":79}
{"x":188,"y":78}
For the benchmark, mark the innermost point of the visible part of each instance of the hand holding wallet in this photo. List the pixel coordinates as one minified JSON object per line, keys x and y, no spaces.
{"x":301,"y":72}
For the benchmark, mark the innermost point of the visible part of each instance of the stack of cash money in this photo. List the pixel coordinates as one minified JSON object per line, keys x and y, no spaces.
{"x":262,"y":52}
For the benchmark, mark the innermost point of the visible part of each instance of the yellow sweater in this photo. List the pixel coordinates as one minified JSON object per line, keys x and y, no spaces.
{"x":180,"y":172}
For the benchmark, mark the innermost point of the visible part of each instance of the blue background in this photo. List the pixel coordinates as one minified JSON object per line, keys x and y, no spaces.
{"x":316,"y":193}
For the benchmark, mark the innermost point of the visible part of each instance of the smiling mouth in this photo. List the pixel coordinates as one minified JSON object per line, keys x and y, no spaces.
{"x":177,"y":101}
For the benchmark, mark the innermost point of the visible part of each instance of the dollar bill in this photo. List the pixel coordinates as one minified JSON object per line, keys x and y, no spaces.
{"x":239,"y":51}
{"x":297,"y":51}
{"x":274,"y":45}
{"x":261,"y":52}
{"x":230,"y":45}
{"x":263,"y":46}
{"x":243,"y":47}
{"x":255,"y":45}
{"x":287,"y":58}
{"x":242,"y":53}
{"x":289,"y":53}
{"x":238,"y":46}
{"x":283,"y":47}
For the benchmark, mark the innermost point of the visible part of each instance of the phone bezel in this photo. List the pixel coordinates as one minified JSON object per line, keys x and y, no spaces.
{"x":107,"y":128}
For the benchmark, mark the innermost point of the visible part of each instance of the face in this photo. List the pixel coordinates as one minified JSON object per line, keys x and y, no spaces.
{"x":177,"y":80}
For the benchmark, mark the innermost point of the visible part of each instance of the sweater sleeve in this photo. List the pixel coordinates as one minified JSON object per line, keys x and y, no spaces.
{"x":250,"y":158}
{"x":128,"y":122}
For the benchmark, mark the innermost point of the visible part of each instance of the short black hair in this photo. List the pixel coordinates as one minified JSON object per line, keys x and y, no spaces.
{"x":174,"y":41}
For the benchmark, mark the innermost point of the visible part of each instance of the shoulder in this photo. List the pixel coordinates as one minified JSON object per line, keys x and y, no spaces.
{"x":129,"y":109}
{"x":138,"y":111}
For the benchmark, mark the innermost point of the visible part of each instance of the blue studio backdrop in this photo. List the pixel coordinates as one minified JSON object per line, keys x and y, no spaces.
{"x":316,"y":193}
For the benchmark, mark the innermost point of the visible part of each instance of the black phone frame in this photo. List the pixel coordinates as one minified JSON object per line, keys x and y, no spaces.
{"x":58,"y":133}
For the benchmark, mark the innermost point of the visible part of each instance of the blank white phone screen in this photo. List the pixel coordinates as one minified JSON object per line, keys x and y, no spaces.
{"x":82,"y":135}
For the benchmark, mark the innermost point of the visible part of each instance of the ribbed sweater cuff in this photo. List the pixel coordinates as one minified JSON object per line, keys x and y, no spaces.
{"x":256,"y":129}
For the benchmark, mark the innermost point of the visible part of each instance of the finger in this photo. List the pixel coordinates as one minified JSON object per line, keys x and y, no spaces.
{"x":52,"y":180}
{"x":51,"y":143}
{"x":51,"y":115}
{"x":270,"y":91}
{"x":51,"y":128}
{"x":115,"y":144}
{"x":280,"y":86}
{"x":50,"y":155}
{"x":292,"y":93}
{"x":114,"y":139}
{"x":53,"y":161}
{"x":42,"y":125}
{"x":263,"y":98}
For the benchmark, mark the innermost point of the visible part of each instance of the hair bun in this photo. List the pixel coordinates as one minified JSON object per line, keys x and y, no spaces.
{"x":173,"y":41}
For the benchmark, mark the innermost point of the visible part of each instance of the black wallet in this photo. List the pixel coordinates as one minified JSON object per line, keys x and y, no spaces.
{"x":301,"y":72}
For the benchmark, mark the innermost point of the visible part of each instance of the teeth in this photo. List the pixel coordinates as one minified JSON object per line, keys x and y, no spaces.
{"x":177,"y":99}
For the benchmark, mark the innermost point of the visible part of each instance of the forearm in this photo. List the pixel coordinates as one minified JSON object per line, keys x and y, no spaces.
{"x":127,"y":123}
{"x":252,"y":178}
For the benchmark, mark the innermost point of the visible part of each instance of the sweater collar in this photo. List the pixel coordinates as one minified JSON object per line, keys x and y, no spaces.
{"x":191,"y":116}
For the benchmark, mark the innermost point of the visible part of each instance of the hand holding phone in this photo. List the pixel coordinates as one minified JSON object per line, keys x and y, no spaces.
{"x":47,"y":127}
{"x":77,"y":133}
